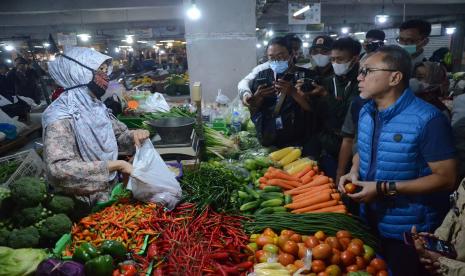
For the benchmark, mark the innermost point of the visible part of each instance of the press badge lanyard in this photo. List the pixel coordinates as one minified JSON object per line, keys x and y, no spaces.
{"x":335,"y":87}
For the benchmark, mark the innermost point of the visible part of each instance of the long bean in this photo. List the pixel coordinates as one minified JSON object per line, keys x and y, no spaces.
{"x":307,"y":224}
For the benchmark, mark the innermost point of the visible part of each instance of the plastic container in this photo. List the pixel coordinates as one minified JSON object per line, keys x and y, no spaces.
{"x":9,"y":130}
{"x":31,"y":165}
{"x":236,"y":123}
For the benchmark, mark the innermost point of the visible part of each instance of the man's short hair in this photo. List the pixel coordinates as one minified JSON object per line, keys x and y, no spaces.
{"x":293,"y":38}
{"x":348,"y":44}
{"x":281,"y":41}
{"x":376,"y":35}
{"x":423,"y":27}
{"x":398,"y":59}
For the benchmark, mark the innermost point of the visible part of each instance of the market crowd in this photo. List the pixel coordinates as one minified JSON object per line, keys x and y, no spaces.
{"x":380,"y":120}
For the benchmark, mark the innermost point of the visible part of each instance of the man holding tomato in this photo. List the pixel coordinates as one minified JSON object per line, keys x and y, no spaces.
{"x":405,"y":163}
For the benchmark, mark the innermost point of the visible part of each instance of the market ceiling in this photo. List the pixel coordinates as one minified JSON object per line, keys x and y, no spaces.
{"x":112,"y":17}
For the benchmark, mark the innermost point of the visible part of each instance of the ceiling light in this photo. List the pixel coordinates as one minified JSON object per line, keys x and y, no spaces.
{"x":333,"y":35}
{"x":265,"y":42}
{"x":106,"y":51}
{"x":450,"y":30}
{"x":38,"y":46}
{"x":166,"y":41}
{"x":305,"y":44}
{"x":257,"y":29}
{"x":302,"y":10}
{"x":8,"y":60}
{"x":359,"y":33}
{"x":129,"y":39}
{"x":116,"y":50}
{"x":259,"y":45}
{"x":142,"y":41}
{"x":84,"y":37}
{"x":193,"y":13}
{"x":361,"y":40}
{"x":345,"y":30}
{"x":9,"y":48}
{"x":307,"y":36}
{"x":46,"y":44}
{"x":381,"y":18}
{"x":131,"y":49}
{"x":170,"y":44}
{"x":270,"y":33}
{"x":162,"y":52}
{"x":155,"y":47}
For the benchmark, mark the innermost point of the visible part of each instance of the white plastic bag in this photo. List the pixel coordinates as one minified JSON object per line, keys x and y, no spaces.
{"x":221,"y":98}
{"x":20,"y":127}
{"x":155,"y":102}
{"x":151,"y":180}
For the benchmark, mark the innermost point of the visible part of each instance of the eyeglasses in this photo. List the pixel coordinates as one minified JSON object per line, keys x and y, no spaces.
{"x":365,"y":71}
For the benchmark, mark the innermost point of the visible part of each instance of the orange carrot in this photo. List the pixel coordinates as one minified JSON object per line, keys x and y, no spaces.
{"x":284,"y":175}
{"x":306,"y":169}
{"x":336,"y":196}
{"x":317,"y":181}
{"x":281,"y":183}
{"x":308,"y":176}
{"x":312,"y":193}
{"x":297,"y":190}
{"x":268,"y":175}
{"x":262,"y":185}
{"x":315,"y":207}
{"x":316,"y":169}
{"x":340,"y":208}
{"x":311,"y":201}
{"x":262,"y":180}
{"x":313,"y":190}
{"x":293,"y":184}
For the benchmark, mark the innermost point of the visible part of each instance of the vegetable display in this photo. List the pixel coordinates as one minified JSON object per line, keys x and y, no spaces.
{"x":7,"y":169}
{"x":18,"y":262}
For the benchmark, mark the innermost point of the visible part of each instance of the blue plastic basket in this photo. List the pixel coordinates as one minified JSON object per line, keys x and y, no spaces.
{"x":9,"y":130}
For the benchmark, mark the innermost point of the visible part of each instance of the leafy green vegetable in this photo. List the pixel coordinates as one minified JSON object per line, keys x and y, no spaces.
{"x":24,"y":237}
{"x":61,"y":205}
{"x":28,"y":191}
{"x":4,"y":233}
{"x":19,"y":262}
{"x":28,"y":216}
{"x":54,"y":227}
{"x":7,"y":169}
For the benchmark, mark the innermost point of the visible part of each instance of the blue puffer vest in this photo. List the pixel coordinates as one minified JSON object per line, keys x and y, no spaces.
{"x":399,"y":159}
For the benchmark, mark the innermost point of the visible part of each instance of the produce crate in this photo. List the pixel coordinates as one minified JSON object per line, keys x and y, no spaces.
{"x":31,"y":165}
{"x":131,"y":121}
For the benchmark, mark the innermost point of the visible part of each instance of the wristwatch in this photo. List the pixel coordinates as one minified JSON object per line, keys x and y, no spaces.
{"x":391,"y":191}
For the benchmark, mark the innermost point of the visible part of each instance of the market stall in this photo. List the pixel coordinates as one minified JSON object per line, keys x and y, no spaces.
{"x":244,"y":209}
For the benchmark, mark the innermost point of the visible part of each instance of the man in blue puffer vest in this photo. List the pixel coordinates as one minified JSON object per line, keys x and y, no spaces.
{"x":405,"y":158}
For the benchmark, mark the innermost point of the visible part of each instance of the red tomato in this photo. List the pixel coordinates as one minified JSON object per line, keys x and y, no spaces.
{"x":291,"y":248}
{"x":360,"y":262}
{"x":299,"y":263}
{"x":262,"y":240}
{"x":357,"y":241}
{"x":370,"y":270}
{"x":352,"y":268}
{"x":285,"y":259}
{"x":318,"y":266}
{"x":296,"y":238}
{"x":269,"y":232}
{"x":322,"y":251}
{"x":378,"y":264}
{"x":343,"y":234}
{"x":347,"y":258}
{"x":344,"y":242}
{"x":282,"y":240}
{"x":320,"y":235}
{"x":333,"y":270}
{"x":355,"y":248}
{"x":350,"y":188}
{"x":312,"y":241}
{"x":382,"y":273}
{"x":302,"y":250}
{"x":336,"y":257}
{"x":333,"y":242}
{"x":287,"y":232}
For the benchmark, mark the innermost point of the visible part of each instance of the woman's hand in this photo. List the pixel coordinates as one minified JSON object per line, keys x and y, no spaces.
{"x":140,"y":135}
{"x":428,"y":258}
{"x":352,"y":176}
{"x":121,"y":166}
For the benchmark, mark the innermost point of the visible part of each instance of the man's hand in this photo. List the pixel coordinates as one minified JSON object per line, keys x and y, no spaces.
{"x":285,"y":87}
{"x":428,"y":258}
{"x":140,"y":135}
{"x":318,"y":91}
{"x":262,"y":92}
{"x":246,"y":98}
{"x":352,"y":176}
{"x":367,"y":194}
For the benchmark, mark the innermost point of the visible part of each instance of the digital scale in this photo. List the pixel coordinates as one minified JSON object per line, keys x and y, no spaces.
{"x":188,"y":150}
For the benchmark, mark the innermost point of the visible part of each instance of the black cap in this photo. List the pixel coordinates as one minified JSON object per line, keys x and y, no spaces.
{"x":376,"y":34}
{"x":323,"y":41}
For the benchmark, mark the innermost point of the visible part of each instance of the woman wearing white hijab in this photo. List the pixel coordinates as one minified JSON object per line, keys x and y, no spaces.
{"x":81,"y":137}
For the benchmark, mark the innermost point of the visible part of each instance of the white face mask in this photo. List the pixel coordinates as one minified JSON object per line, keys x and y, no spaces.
{"x":321,"y":60}
{"x":341,"y":68}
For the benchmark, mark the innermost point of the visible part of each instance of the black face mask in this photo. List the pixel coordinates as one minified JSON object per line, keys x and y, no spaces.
{"x":374,"y":45}
{"x":97,"y":85}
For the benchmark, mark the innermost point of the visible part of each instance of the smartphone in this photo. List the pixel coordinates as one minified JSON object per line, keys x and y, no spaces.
{"x":288,"y":77}
{"x":263,"y":81}
{"x":433,"y":244}
{"x":308,"y":86}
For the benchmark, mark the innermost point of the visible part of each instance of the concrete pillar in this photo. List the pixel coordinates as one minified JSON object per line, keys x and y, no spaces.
{"x":221,"y":45}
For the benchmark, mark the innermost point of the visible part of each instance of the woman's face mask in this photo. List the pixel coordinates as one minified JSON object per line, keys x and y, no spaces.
{"x":99,"y":83}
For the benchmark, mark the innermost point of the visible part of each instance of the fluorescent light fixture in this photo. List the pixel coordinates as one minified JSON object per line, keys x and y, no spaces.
{"x":302,"y":10}
{"x":167,"y":41}
{"x":307,"y":36}
{"x":361,"y":40}
{"x":129,"y":39}
{"x":84,"y":37}
{"x":259,"y":45}
{"x":265,"y":42}
{"x":117,"y":50}
{"x":257,"y":29}
{"x":142,"y":41}
{"x":193,"y":13}
{"x":333,"y":35}
{"x":8,"y":60}
{"x":305,"y":44}
{"x":184,"y":42}
{"x":131,"y":49}
{"x":125,"y":46}
{"x":38,"y":47}
{"x":270,"y":33}
{"x":359,"y":33}
{"x":162,"y":52}
{"x":9,"y":48}
{"x":46,"y":44}
{"x":155,"y":47}
{"x":159,"y":44}
{"x":345,"y":30}
{"x":170,"y":44}
{"x":450,"y":30}
{"x":381,"y":18}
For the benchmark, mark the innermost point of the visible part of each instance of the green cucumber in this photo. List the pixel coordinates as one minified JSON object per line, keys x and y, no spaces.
{"x":272,"y":195}
{"x":287,"y":199}
{"x":250,"y":205}
{"x":272,"y":203}
{"x":267,"y":210}
{"x":252,"y":192}
{"x":279,"y":209}
{"x":242,"y":194}
{"x":272,"y":189}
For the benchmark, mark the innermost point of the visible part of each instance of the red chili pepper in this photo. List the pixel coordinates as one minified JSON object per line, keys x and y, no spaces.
{"x":244,"y":266}
{"x":128,"y":270}
{"x":116,"y":272}
{"x":152,"y":251}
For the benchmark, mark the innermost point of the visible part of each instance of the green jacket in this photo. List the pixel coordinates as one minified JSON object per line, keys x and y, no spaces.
{"x":341,"y":90}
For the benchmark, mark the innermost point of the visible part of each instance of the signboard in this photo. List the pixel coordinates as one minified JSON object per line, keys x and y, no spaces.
{"x":66,"y":39}
{"x":310,"y":16}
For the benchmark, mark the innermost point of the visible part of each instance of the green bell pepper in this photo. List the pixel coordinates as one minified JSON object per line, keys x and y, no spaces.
{"x":85,"y":252}
{"x":100,"y":266}
{"x":114,"y":248}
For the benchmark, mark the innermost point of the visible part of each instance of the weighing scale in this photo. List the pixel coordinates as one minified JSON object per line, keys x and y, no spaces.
{"x":183,"y":151}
